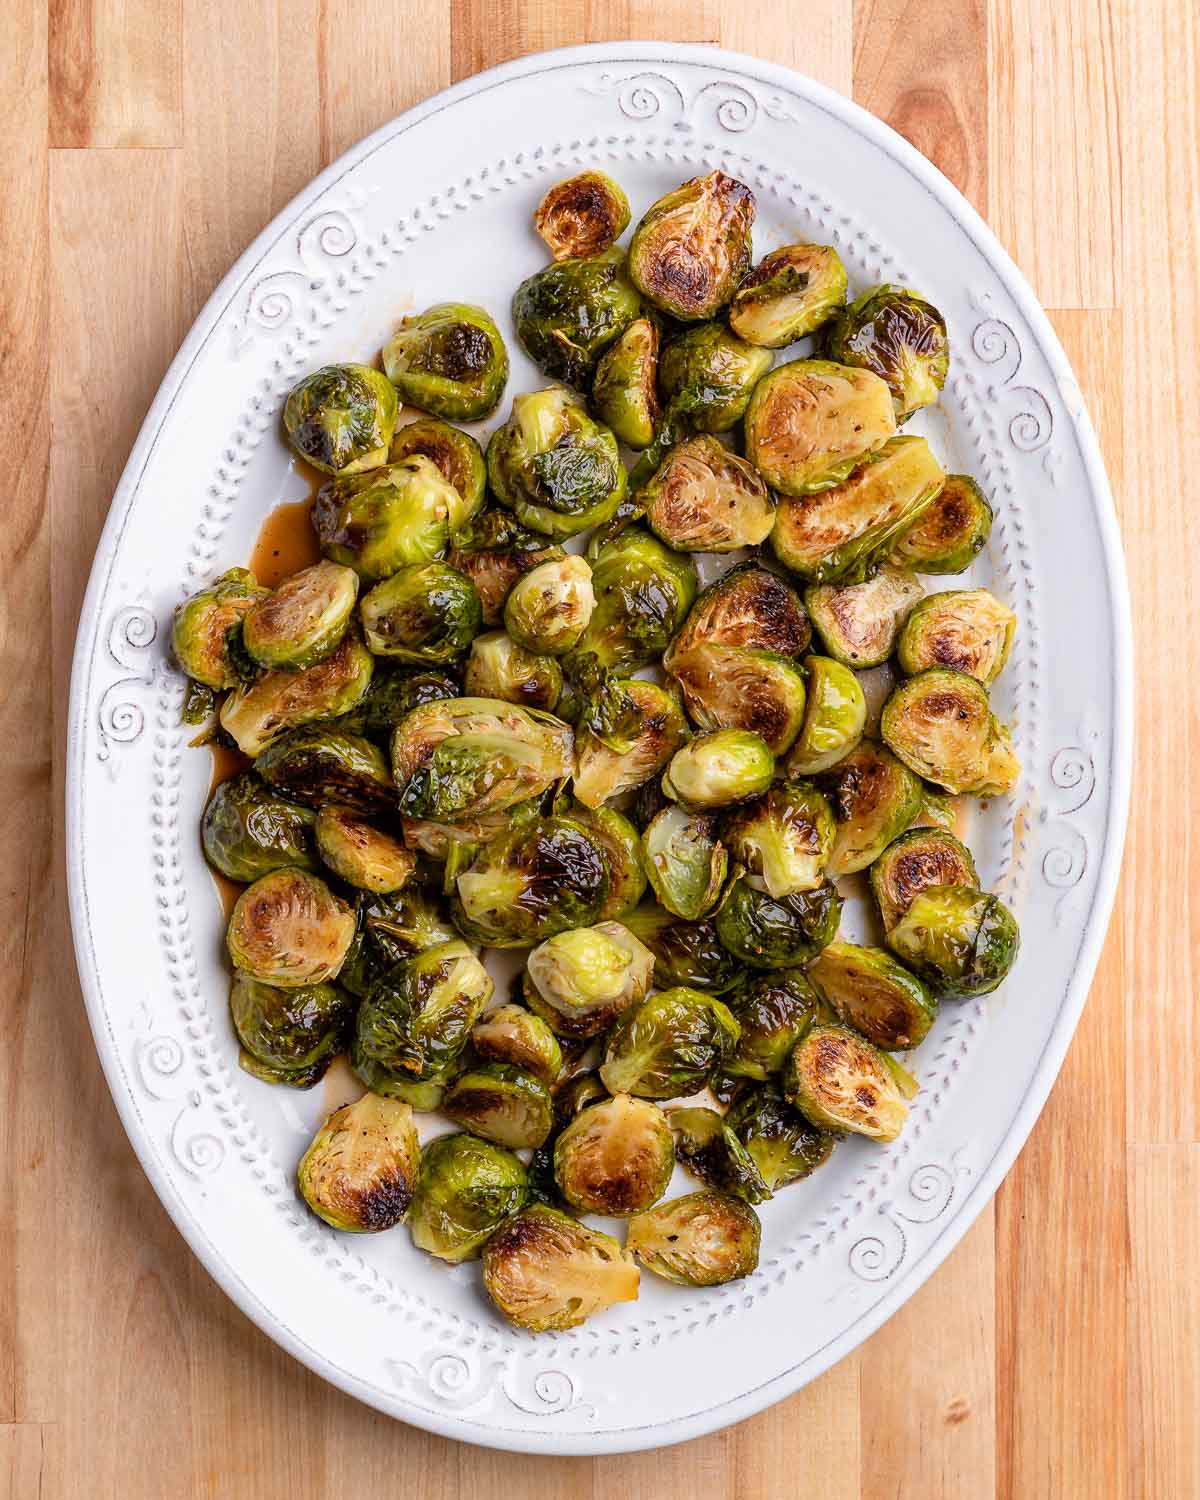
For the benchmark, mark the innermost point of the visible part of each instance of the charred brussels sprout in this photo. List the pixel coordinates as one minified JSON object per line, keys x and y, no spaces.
{"x":966,"y":630}
{"x":707,"y":375}
{"x":668,"y":1045}
{"x":901,"y":338}
{"x":581,"y":980}
{"x":748,"y":606}
{"x":567,"y":314}
{"x":622,"y":851}
{"x":625,"y":390}
{"x":388,"y":518}
{"x":340,"y":418}
{"x":512,"y":1034}
{"x":391,"y":929}
{"x":303,"y":620}
{"x":941,"y":727}
{"x":499,"y":668}
{"x":360,"y":854}
{"x":316,"y":766}
{"x":615,"y":1158}
{"x":859,"y":622}
{"x":708,"y":1148}
{"x":839,"y":1081}
{"x":393,"y":693}
{"x":875,"y":995}
{"x":502,"y":1104}
{"x":701,"y":1239}
{"x":582,"y":215}
{"x":782,"y":1144}
{"x":717,"y":769}
{"x":704,"y":498}
{"x":466,"y":1189}
{"x":426,"y":613}
{"x":201,"y":628}
{"x":835,"y":716}
{"x":791,"y":293}
{"x":692,"y":247}
{"x":774,"y":1012}
{"x":247,"y":831}
{"x":547,"y":610}
{"x":961,"y":941}
{"x":455,"y":454}
{"x":874,"y":797}
{"x":950,"y":534}
{"x":555,"y":467}
{"x":687,"y":954}
{"x":545,"y":1271}
{"x":288,"y":1035}
{"x":289,"y":929}
{"x":574,"y":1094}
{"x":783,"y":838}
{"x":916,"y":861}
{"x":449,"y":360}
{"x":769,"y":932}
{"x":494,"y":550}
{"x":643,"y":592}
{"x":657,"y":728}
{"x":736,"y":688}
{"x":686,"y":862}
{"x":257,"y":713}
{"x":810,"y":422}
{"x":360,"y":1172}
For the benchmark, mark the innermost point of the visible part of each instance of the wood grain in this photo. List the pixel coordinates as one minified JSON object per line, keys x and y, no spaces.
{"x":115,"y":73}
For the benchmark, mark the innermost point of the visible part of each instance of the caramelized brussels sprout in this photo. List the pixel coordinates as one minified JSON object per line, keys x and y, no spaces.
{"x":256,"y":714}
{"x":466,"y":1189}
{"x":625,"y":390}
{"x":288,"y":1035}
{"x":361,"y":1169}
{"x":745,"y":607}
{"x":502,"y":1104}
{"x":687,"y":954}
{"x":874,"y":797}
{"x":289,"y":929}
{"x":737,"y":688}
{"x":580,"y":980}
{"x":708,"y":1148}
{"x":859,"y":622}
{"x":692,"y":247}
{"x":604,"y":768}
{"x":316,"y":766}
{"x":545,"y":1271}
{"x":391,"y":929}
{"x":547,"y":609}
{"x":567,"y":314}
{"x":440,"y":840}
{"x":769,"y":932}
{"x":360,"y":854}
{"x":704,"y":498}
{"x":791,"y":293}
{"x":901,"y":338}
{"x":498,"y":668}
{"x":875,"y":995}
{"x":707,"y":374}
{"x":247,"y":831}
{"x":615,"y":1158}
{"x":783,"y":838}
{"x":425,"y":1097}
{"x":966,"y":630}
{"x":941,"y":727}
{"x":810,"y":422}
{"x":201,"y":628}
{"x":686,"y":861}
{"x":449,"y":360}
{"x":720,"y":768}
{"x":643,"y":593}
{"x":668,"y":1045}
{"x":303,"y":620}
{"x":455,"y":454}
{"x":774,"y":1011}
{"x":387,"y":518}
{"x":494,"y":550}
{"x":511,"y":1034}
{"x":916,"y":861}
{"x":701,"y":1239}
{"x":621,"y":849}
{"x":783,"y":1145}
{"x":950,"y":534}
{"x":958,"y":939}
{"x":835,"y":716}
{"x":395,"y":691}
{"x":582,"y":215}
{"x":340,"y":418}
{"x":574,"y":1094}
{"x":426,"y":613}
{"x":839,"y":1081}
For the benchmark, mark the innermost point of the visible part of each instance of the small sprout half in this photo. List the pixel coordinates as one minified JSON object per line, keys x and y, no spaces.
{"x":428,"y":613}
{"x":303,"y":620}
{"x":900,"y":337}
{"x":319,"y":766}
{"x":707,"y":375}
{"x":959,"y":939}
{"x":704,"y":498}
{"x":512,"y":1034}
{"x":966,"y":630}
{"x":687,"y":954}
{"x":835,"y":716}
{"x":710,"y":1150}
{"x":493,"y":550}
{"x":455,"y":454}
{"x":360,"y":854}
{"x":361,"y":1169}
{"x":258,"y":713}
{"x":692,"y":247}
{"x":501,"y":1103}
{"x":289,"y":929}
{"x":769,"y":932}
{"x":874,"y":797}
{"x":859,"y":622}
{"x":288,"y":1035}
{"x":417,"y":1020}
{"x":201,"y":628}
{"x":248,"y":831}
{"x":582,"y":215}
{"x":643,"y":592}
{"x":625,"y":389}
{"x":747,"y":606}
{"x":774,"y":1011}
{"x":783,"y":838}
{"x":686,"y":861}
{"x":340,"y":418}
{"x":545,"y":1271}
{"x":791,"y":293}
{"x":720,"y":768}
{"x":668,"y":1045}
{"x":737,"y":687}
{"x":875,"y":995}
{"x":567,"y":314}
{"x":916,"y":861}
{"x":940,"y":725}
{"x":466,"y":1189}
{"x":950,"y":534}
{"x":387,"y":518}
{"x":449,"y":360}
{"x":580,"y":981}
{"x":615,"y":1157}
{"x":394,"y":692}
{"x":701,"y":1239}
{"x":548,"y":609}
{"x":499,"y":668}
{"x":784,"y":1146}
{"x":840,"y":1082}
{"x":604,"y":768}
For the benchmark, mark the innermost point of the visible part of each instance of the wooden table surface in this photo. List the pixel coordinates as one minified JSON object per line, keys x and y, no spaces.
{"x":144,"y":144}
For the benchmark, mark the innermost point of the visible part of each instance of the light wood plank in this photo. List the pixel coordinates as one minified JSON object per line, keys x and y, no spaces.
{"x":809,"y":1445}
{"x":22,"y":1461}
{"x":115,"y":73}
{"x":823,"y":47}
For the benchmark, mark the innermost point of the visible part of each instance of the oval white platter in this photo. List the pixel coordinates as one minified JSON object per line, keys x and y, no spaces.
{"x":437,"y":206}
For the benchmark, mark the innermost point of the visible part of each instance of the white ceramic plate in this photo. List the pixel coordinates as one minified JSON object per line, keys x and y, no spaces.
{"x":437,"y":205}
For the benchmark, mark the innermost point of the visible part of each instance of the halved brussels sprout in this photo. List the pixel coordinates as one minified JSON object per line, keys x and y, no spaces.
{"x":748,"y":606}
{"x":874,"y":797}
{"x":810,"y":422}
{"x":501,"y":1103}
{"x":940,"y":725}
{"x":835,"y":716}
{"x":701,"y":1239}
{"x":288,"y":1035}
{"x":901,"y":338}
{"x":315,"y":765}
{"x":791,"y":293}
{"x":202,"y":625}
{"x":391,"y":929}
{"x":839,"y":1081}
{"x":302,"y":621}
{"x":494,"y":550}
{"x":966,"y":630}
{"x":708,"y":1148}
{"x":340,"y":418}
{"x":449,"y":360}
{"x":719,"y":768}
{"x":917,"y":860}
{"x":685,"y":953}
{"x":466,"y":1189}
{"x":360,"y":854}
{"x":545,"y":1271}
{"x":784,"y":1146}
{"x":571,"y":1095}
{"x":692,"y":247}
{"x":512,"y":1034}
{"x":547,"y":609}
{"x":735,"y":687}
{"x":582,"y":215}
{"x":704,"y":498}
{"x":959,"y":939}
{"x":769,"y":932}
{"x":425,"y":1096}
{"x":686,"y":861}
{"x":567,"y":314}
{"x":499,"y":668}
{"x":950,"y":534}
{"x":426,"y":613}
{"x":257,"y":713}
{"x":289,"y":929}
{"x":783,"y":838}
{"x":581,"y":980}
{"x":707,"y":374}
{"x":622,"y":850}
{"x":875,"y":995}
{"x":361,"y":1169}
{"x":394,"y":692}
{"x":456,"y":455}
{"x":643,"y":593}
{"x":859,"y":622}
{"x":247,"y":831}
{"x":615,"y":1158}
{"x":668,"y":1045}
{"x":387,"y":518}
{"x":774,"y":1012}
{"x":625,"y":390}
{"x":604,"y":769}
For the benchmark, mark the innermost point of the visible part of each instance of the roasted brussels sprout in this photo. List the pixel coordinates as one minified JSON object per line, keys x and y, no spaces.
{"x":858,"y":623}
{"x":466,"y":1188}
{"x":704,"y":498}
{"x":424,"y":1096}
{"x":603,"y":768}
{"x":395,"y":691}
{"x":839,"y":1081}
{"x":615,"y":1158}
{"x":717,"y":769}
{"x":835,"y":715}
{"x":319,"y":766}
{"x":874,"y":797}
{"x":547,"y":609}
{"x":581,"y":980}
{"x":571,"y":1095}
{"x":686,"y":861}
{"x":784,"y":1146}
{"x":391,"y":929}
{"x":360,"y":854}
{"x":449,"y":360}
{"x":668,"y":1045}
{"x":340,"y":418}
{"x":769,"y":932}
{"x":567,"y":314}
{"x":958,"y":939}
{"x":643,"y":593}
{"x":501,"y":1103}
{"x":512,"y":1034}
{"x":685,"y":953}
{"x":738,"y":688}
{"x":303,"y":620}
{"x":901,"y":338}
{"x":783,"y":838}
{"x":810,"y":422}
{"x":546,"y":1271}
{"x":494,"y":550}
{"x":247,"y":831}
{"x":950,"y":534}
{"x":875,"y":995}
{"x":288,"y":1035}
{"x":791,"y":293}
{"x":774,"y":1011}
{"x":361,"y":1169}
{"x":941,"y":727}
{"x":702,"y":1239}
{"x":625,"y":389}
{"x":456,"y":455}
{"x":747,"y":606}
{"x":582,"y":215}
{"x":441,"y":840}
{"x":499,"y":668}
{"x":201,"y":628}
{"x":707,"y":374}
{"x":425,"y":613}
{"x":256,"y":714}
{"x":622,"y":851}
{"x":387,"y":518}
{"x":708,"y":1148}
{"x":916,"y":861}
{"x":289,"y":929}
{"x":966,"y":630}
{"x":692,"y":247}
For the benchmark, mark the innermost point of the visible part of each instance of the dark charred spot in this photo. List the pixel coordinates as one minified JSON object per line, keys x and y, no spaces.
{"x":865,"y":1095}
{"x":384,"y":1203}
{"x":943,"y":706}
{"x":462,"y":352}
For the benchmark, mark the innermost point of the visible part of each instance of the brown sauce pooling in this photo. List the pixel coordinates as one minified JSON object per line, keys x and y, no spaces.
{"x":286,"y":542}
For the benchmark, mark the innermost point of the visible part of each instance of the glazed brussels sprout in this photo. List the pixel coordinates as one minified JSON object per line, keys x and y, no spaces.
{"x":692,"y":247}
{"x":387,"y":518}
{"x":493,"y":549}
{"x":901,"y":338}
{"x":782,"y":1144}
{"x":567,"y":314}
{"x":687,"y":954}
{"x":303,"y":620}
{"x":769,"y":932}
{"x":774,"y":1011}
{"x":574,"y":1094}
{"x":791,"y":293}
{"x":501,"y":1103}
{"x":783,"y":838}
{"x":455,"y":454}
{"x":511,"y":1034}
{"x":747,"y":606}
{"x":466,"y":1189}
{"x":668,"y":1045}
{"x":360,"y":854}
{"x":708,"y":1148}
{"x":704,"y":498}
{"x":361,"y":1169}
{"x":424,"y":1096}
{"x":810,"y":422}
{"x":958,"y":939}
{"x":289,"y":929}
{"x":288,"y":1035}
{"x":556,"y":468}
{"x":582,"y":979}
{"x":547,"y":610}
{"x":393,"y":693}
{"x":950,"y":534}
{"x":701,"y":1239}
{"x":604,"y":768}
{"x":941,"y":727}
{"x":913,"y":863}
{"x":441,"y":840}
{"x":869,"y":991}
{"x":582,"y":215}
{"x":427,"y":613}
{"x":545,"y":1271}
{"x":858,"y":623}
{"x":391,"y":929}
{"x":966,"y":630}
{"x":686,"y":861}
{"x":719,"y":768}
{"x":874,"y":797}
{"x":498,"y":668}
{"x":247,"y":831}
{"x":735,"y":687}
{"x":643,"y":593}
{"x":835,"y":716}
{"x":625,"y":389}
{"x":256,"y":714}
{"x":707,"y":374}
{"x":621,"y":849}
{"x":201,"y":628}
{"x":340,"y":418}
{"x":449,"y":360}
{"x":319,"y":766}
{"x":839,"y":1081}
{"x":615,"y":1158}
